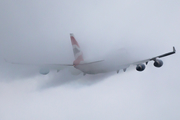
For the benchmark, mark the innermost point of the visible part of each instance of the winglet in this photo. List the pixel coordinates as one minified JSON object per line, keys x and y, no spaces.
{"x":10,"y":61}
{"x":174,"y":50}
{"x":7,"y":61}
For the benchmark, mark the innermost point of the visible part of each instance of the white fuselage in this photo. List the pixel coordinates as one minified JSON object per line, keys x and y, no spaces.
{"x":113,"y":62}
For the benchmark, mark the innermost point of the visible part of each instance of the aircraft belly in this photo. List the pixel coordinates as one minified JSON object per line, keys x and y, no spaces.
{"x":96,"y":68}
{"x":91,"y":68}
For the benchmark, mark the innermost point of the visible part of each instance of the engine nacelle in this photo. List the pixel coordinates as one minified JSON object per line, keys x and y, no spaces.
{"x":140,"y":67}
{"x":44,"y":71}
{"x":158,"y":63}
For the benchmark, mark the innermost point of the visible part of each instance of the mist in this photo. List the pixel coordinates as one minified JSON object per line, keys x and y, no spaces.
{"x":38,"y":31}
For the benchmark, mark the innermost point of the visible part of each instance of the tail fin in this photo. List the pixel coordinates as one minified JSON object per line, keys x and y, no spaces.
{"x":78,"y":55}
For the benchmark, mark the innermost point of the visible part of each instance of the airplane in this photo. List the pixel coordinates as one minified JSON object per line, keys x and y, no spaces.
{"x":100,"y":66}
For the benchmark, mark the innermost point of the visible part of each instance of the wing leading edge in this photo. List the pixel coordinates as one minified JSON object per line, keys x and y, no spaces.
{"x":154,"y":58}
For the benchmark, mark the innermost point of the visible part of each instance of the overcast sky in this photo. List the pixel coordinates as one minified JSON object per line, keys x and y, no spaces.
{"x":37,"y":31}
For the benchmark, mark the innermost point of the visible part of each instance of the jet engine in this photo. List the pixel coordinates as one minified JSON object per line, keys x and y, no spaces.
{"x":44,"y":71}
{"x":158,"y":63}
{"x":140,"y":67}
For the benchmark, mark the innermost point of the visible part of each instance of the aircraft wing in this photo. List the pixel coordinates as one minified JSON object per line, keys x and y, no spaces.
{"x":49,"y":66}
{"x":154,"y":58}
{"x":62,"y":66}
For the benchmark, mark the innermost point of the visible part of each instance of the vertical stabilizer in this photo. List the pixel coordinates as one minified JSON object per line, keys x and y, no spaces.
{"x":78,"y":55}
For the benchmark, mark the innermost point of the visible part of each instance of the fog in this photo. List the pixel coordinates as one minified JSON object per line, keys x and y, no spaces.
{"x":38,"y":31}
